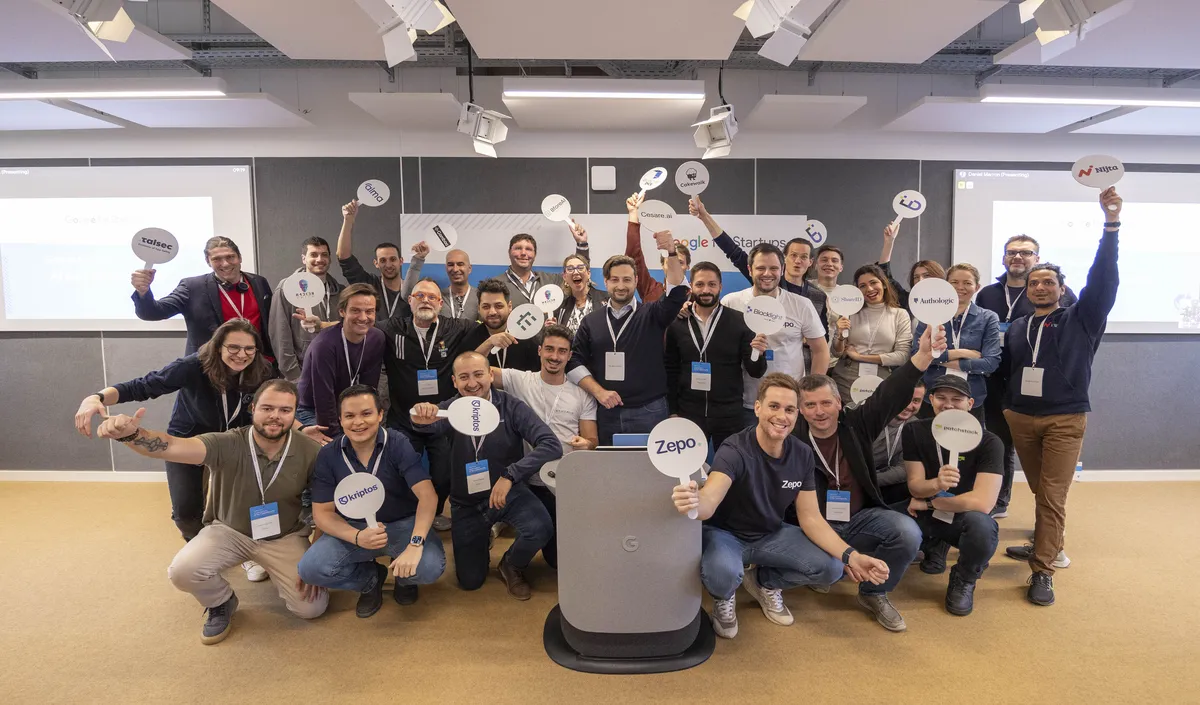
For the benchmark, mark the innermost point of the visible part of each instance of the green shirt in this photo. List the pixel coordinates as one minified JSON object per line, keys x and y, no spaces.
{"x":234,"y":489}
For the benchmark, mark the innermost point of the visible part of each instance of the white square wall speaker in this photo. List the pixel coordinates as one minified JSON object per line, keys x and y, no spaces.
{"x":604,"y":178}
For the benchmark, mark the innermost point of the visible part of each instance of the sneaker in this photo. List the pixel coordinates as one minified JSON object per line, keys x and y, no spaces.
{"x":771,"y":601}
{"x":497,"y":529}
{"x":1022,"y":553}
{"x":371,"y":600}
{"x":405,"y":594}
{"x":999,"y":512}
{"x":514,"y":579}
{"x":724,"y":617}
{"x":919,"y":557}
{"x":960,"y":594}
{"x":884,"y":612}
{"x":934,"y":562}
{"x":255,"y":573}
{"x":441,"y":522}
{"x":821,"y":589}
{"x":1041,"y":589}
{"x":218,"y":621}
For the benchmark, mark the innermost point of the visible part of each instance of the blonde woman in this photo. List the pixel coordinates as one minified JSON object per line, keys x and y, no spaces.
{"x":880,"y":334}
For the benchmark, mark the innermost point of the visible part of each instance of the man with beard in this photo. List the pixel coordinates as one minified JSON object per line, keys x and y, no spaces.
{"x":785,"y":348}
{"x":290,"y":337}
{"x":520,"y":278}
{"x":460,"y":299}
{"x":617,"y":356}
{"x":494,"y":308}
{"x":706,"y":353}
{"x":387,"y":261}
{"x":256,"y":478}
{"x":420,"y":355}
{"x":490,"y":477}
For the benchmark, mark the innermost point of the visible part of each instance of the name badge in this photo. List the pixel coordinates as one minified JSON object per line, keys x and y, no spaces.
{"x":427,"y":383}
{"x":868,"y":368}
{"x":957,"y":373}
{"x":837,"y":505}
{"x":614,"y":367}
{"x":770,"y":355}
{"x":1031,"y":381}
{"x":478,"y":477}
{"x":702,"y":376}
{"x":264,"y":521}
{"x":1004,"y":326}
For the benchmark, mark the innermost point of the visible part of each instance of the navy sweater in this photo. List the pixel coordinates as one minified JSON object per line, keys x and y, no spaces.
{"x":1069,"y":342}
{"x":325,"y":373}
{"x":641,"y":341}
{"x":198,"y":406}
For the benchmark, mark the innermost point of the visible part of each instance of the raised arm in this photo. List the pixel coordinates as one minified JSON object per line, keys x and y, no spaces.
{"x":413,"y":275}
{"x":152,"y":444}
{"x":346,"y":235}
{"x":647,"y":287}
{"x":1099,"y":295}
{"x":895,"y":392}
{"x":735,"y":254}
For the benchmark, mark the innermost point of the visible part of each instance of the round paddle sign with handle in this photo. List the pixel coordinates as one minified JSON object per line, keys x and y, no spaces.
{"x":863,"y":387}
{"x":933,"y":302}
{"x":154,"y":246}
{"x":471,"y":416}
{"x":373,"y":193}
{"x":441,"y":237}
{"x":524,"y":322}
{"x":1098,"y":171}
{"x":907,"y":204}
{"x":845,"y":300}
{"x":691,"y":178}
{"x":677,"y":448}
{"x":359,"y":496}
{"x":651,"y":180}
{"x":557,"y":209}
{"x":764,"y":315}
{"x":548,"y":298}
{"x":958,"y":432}
{"x":304,"y":290}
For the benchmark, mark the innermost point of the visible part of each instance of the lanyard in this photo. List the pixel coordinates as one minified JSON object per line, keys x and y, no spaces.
{"x":421,"y":343}
{"x":837,"y":459}
{"x":502,"y":357}
{"x":1009,"y":300}
{"x":577,"y":314}
{"x":956,"y":336}
{"x":887,"y":440}
{"x":236,"y":309}
{"x":527,"y":289}
{"x":278,"y":465}
{"x":624,"y":324}
{"x":1036,"y":347}
{"x":327,"y":294}
{"x":225,"y":405}
{"x":462,"y":303}
{"x":346,"y":349}
{"x":707,"y":333}
{"x":478,"y":443}
{"x":375,"y":468}
{"x":391,"y":305}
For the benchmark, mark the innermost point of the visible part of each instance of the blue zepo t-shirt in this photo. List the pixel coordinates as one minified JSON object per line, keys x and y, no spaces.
{"x":399,"y":469}
{"x":763,"y":487}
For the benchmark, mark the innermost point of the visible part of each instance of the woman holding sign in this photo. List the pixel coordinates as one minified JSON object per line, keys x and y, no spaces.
{"x":581,"y":295}
{"x":880,"y":334}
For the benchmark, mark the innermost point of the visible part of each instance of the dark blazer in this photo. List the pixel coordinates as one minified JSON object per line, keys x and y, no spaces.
{"x":199,"y":300}
{"x":598,"y":298}
{"x":198,"y":407}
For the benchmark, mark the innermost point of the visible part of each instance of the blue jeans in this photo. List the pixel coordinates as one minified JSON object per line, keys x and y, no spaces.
{"x":471,"y":530}
{"x":975,"y":534}
{"x":785,"y":559}
{"x":335,"y":564}
{"x":437,"y":448}
{"x":629,"y":419}
{"x":882,"y":533}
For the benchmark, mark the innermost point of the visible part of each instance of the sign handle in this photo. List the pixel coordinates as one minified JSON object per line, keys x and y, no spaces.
{"x":148,"y":265}
{"x":937,"y":354}
{"x":642,"y":193}
{"x":371,"y":520}
{"x":684,"y":480}
{"x":442,"y":413}
{"x":754,"y":355}
{"x":896,"y":222}
{"x":495,"y":350}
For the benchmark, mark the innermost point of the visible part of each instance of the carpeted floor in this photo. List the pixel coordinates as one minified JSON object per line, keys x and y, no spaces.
{"x":89,"y":617}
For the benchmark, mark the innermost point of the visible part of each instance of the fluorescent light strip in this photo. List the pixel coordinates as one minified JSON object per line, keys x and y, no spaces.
{"x":603,"y":94}
{"x":73,"y":95}
{"x":1117,"y":102}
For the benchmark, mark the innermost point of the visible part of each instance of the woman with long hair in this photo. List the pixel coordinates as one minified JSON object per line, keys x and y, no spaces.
{"x":880,"y":334}
{"x":921,"y":269}
{"x":581,"y":296}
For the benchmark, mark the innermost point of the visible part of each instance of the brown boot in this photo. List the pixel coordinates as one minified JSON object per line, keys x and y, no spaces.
{"x":514,"y":579}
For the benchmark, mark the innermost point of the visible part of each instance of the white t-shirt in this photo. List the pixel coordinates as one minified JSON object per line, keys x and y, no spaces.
{"x":561,"y":406}
{"x":786,"y":347}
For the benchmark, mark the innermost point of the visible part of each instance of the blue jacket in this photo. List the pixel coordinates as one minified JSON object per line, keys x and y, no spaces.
{"x":1070,"y":338}
{"x":199,"y":300}
{"x":198,"y":406}
{"x":981,"y":333}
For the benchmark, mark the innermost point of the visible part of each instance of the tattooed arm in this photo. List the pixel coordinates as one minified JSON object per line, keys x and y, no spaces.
{"x":152,"y":444}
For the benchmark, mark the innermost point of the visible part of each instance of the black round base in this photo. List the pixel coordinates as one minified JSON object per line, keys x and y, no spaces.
{"x":561,"y":652}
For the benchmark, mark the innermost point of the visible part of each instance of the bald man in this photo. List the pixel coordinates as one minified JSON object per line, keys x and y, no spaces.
{"x":460,"y":300}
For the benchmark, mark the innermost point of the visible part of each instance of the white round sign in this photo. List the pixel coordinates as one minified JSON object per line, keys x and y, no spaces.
{"x":909,"y":204}
{"x":359,"y":496}
{"x":691,"y":178}
{"x":473,"y":416}
{"x":526,"y":321}
{"x":656,"y":215}
{"x":304,"y":290}
{"x":653,"y":179}
{"x":957,"y":431}
{"x":815,"y":232}
{"x":764,"y":314}
{"x":154,"y":246}
{"x":557,"y":208}
{"x":677,"y":447}
{"x":933,"y":301}
{"x":1098,"y":171}
{"x":441,"y":237}
{"x":373,"y":193}
{"x":864,"y":387}
{"x":845,"y":300}
{"x":547,"y":299}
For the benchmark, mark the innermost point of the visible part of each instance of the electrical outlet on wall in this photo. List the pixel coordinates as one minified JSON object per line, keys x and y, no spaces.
{"x":604,"y":178}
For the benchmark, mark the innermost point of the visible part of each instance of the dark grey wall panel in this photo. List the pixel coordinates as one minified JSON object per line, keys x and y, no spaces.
{"x":730,"y":190}
{"x":42,"y":162}
{"x":411,"y":170}
{"x":44,"y":376}
{"x":469,"y":185}
{"x":299,"y":198}
{"x":132,"y":355}
{"x":172,"y":161}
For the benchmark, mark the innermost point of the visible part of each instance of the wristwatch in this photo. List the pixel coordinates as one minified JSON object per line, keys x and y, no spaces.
{"x":929,"y":504}
{"x":846,"y":556}
{"x":417,"y":541}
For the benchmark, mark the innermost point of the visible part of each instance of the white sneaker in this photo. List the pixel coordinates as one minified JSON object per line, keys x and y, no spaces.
{"x":441,"y":522}
{"x":724,"y":617}
{"x":1022,"y":553}
{"x":255,"y":573}
{"x":771,"y":601}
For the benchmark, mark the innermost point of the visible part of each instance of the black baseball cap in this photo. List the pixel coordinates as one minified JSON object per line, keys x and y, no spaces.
{"x":950,"y":381}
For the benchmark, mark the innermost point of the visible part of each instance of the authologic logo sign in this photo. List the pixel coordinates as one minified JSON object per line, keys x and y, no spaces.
{"x":935,"y":300}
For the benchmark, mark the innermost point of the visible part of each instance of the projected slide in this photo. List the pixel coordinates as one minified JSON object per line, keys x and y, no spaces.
{"x":1159,"y":251}
{"x":65,"y":258}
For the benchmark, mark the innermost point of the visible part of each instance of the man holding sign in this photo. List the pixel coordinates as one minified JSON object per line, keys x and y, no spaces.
{"x":520,"y":278}
{"x":647,"y":286}
{"x":344,"y":557}
{"x":290,"y":337}
{"x":1050,"y":354}
{"x":257,"y":477}
{"x":965,"y":487}
{"x":488,"y":478}
{"x":494,"y":309}
{"x":388,"y":261}
{"x":756,"y":476}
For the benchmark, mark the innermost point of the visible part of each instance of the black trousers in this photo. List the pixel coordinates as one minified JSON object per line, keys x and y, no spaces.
{"x":550,"y":550}
{"x":185,"y":483}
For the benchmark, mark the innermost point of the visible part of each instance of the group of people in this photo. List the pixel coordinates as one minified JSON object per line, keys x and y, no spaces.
{"x":280,"y":405}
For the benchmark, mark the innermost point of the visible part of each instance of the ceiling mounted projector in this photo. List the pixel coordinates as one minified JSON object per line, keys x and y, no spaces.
{"x":99,"y":19}
{"x":715,"y":135}
{"x":1062,"y":24}
{"x":486,"y":128}
{"x":399,"y":20}
{"x":787,"y":21}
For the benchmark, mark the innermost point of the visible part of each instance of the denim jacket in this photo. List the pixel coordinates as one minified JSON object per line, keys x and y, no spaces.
{"x":980,"y":332}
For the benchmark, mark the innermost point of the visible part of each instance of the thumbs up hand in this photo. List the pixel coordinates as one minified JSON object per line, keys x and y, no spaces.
{"x":121,"y":425}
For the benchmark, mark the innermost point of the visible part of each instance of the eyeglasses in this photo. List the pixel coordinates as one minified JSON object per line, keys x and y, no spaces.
{"x":431,"y":298}
{"x":572,"y":268}
{"x":238,"y":349}
{"x":1019,"y":253}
